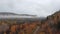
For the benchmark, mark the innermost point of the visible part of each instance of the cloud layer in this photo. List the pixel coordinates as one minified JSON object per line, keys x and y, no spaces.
{"x":37,"y":7}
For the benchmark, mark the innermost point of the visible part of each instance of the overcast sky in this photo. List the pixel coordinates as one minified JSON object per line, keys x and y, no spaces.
{"x":36,"y":7}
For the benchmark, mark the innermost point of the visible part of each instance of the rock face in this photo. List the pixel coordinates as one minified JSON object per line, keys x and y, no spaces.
{"x":53,"y":23}
{"x":55,"y":18}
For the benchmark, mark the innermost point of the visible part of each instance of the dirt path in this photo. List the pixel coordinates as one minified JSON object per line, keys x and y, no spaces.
{"x":35,"y":32}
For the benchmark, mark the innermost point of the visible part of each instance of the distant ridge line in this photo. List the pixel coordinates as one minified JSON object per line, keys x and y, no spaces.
{"x":10,"y":13}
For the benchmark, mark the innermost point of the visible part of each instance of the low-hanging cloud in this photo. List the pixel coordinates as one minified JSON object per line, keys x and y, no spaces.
{"x":36,"y":7}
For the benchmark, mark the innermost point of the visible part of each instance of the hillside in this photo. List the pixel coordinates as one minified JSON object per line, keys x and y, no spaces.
{"x":48,"y":25}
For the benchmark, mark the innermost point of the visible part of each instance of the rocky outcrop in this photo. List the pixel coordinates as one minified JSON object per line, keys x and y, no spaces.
{"x":52,"y":24}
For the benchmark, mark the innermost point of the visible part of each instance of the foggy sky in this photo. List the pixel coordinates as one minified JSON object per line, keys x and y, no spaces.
{"x":35,"y":7}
